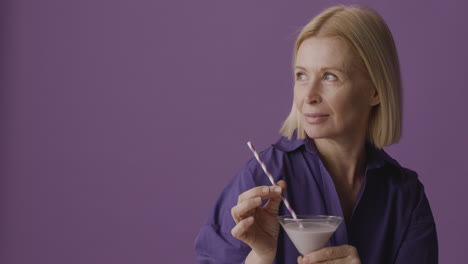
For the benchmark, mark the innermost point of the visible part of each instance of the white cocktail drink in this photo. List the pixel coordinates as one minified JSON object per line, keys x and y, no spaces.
{"x":310,"y":233}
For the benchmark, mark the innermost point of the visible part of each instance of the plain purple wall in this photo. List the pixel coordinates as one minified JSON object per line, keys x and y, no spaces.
{"x":123,"y":120}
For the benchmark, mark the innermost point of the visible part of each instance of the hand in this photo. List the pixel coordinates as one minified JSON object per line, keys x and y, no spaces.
{"x":345,"y":254}
{"x":255,"y":225}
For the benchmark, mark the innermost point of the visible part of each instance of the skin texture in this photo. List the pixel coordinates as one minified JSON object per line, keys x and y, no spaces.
{"x":329,"y":83}
{"x":337,"y":255}
{"x":257,"y":226}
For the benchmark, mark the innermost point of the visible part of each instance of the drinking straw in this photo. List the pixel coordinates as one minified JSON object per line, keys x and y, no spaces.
{"x":285,"y":201}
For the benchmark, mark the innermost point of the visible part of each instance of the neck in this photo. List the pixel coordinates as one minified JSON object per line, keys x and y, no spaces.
{"x":344,"y":160}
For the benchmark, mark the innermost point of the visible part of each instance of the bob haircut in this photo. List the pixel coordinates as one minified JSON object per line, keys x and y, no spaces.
{"x":365,"y":31}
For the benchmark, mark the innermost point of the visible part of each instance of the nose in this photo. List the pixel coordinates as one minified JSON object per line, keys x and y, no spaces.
{"x":312,"y":95}
{"x":315,"y":99}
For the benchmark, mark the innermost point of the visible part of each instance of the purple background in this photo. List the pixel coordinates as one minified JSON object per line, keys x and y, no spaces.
{"x":123,"y":120}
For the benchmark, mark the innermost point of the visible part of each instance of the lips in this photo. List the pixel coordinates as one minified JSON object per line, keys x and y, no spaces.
{"x":315,"y":118}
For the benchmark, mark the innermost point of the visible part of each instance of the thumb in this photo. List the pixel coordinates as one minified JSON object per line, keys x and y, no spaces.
{"x":283,"y":186}
{"x":273,"y":203}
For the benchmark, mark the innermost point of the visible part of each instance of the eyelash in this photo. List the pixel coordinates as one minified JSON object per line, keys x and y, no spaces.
{"x":324,"y":76}
{"x":327,"y":74}
{"x":298,"y":74}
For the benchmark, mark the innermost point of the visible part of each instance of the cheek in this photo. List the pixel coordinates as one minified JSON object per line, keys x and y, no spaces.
{"x":299,"y":94}
{"x":349,"y":108}
{"x":341,"y":105}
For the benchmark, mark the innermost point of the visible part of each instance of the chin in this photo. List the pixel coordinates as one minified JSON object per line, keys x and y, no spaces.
{"x":316,"y":131}
{"x":314,"y":134}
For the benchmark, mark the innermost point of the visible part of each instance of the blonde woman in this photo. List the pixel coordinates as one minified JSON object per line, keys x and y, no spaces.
{"x":329,"y":160}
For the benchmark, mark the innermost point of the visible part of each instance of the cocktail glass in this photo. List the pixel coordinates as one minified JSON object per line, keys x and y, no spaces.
{"x":314,"y":232}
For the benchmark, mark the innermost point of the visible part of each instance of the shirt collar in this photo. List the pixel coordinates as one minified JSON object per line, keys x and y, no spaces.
{"x":376,"y":157}
{"x":287,"y":145}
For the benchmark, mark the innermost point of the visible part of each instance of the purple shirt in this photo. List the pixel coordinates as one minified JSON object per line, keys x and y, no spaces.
{"x":391,"y":221}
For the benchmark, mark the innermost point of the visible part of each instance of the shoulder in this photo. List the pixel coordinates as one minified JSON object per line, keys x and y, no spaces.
{"x":410,"y":196}
{"x":408,"y":182}
{"x":401,"y":185}
{"x":404,"y":184}
{"x":396,"y":173}
{"x":399,"y":180}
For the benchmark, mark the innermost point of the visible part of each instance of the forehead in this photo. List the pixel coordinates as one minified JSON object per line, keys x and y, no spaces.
{"x":324,"y":52}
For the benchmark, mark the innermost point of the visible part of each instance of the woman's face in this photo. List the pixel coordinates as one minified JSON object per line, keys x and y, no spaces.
{"x":332,"y":95}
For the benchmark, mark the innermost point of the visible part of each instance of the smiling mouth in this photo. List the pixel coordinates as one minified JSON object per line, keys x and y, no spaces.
{"x":315,"y":118}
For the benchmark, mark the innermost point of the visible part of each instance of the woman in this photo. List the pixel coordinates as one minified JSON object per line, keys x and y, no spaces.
{"x":347,"y":106}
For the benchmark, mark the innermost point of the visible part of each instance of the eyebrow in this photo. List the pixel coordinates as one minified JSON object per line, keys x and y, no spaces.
{"x":321,"y":69}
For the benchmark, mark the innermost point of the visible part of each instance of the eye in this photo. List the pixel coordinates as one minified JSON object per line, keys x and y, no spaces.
{"x":330,"y":77}
{"x":300,"y":76}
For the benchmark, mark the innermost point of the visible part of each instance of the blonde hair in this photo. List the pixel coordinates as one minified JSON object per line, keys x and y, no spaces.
{"x":365,"y":31}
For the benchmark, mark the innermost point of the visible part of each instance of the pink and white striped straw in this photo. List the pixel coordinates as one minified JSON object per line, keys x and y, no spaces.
{"x":285,"y":201}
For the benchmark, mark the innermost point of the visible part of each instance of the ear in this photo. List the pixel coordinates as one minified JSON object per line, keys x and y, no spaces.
{"x":374,"y":98}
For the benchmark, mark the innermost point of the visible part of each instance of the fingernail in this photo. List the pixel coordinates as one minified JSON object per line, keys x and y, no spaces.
{"x":258,"y":199}
{"x":278,"y":189}
{"x":265,"y":189}
{"x":250,"y":219}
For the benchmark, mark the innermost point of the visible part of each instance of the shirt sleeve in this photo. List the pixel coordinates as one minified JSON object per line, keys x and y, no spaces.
{"x":420,"y":242}
{"x":214,"y":243}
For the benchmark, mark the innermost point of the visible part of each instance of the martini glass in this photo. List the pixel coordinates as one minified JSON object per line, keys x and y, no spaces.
{"x":314,"y":232}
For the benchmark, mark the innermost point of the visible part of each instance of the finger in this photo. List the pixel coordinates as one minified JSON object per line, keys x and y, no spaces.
{"x":329,"y":254}
{"x":241,"y":210}
{"x":240,"y":230}
{"x":265,"y":192}
{"x":273,"y":204}
{"x":335,"y":261}
{"x":283,"y":185}
{"x":254,"y":192}
{"x":299,"y":260}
